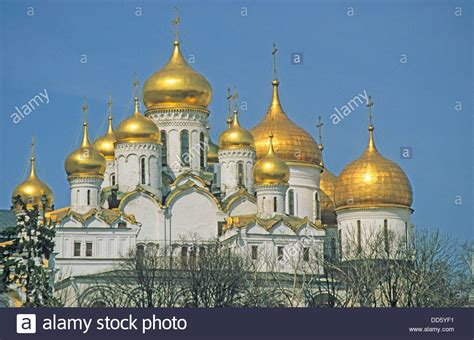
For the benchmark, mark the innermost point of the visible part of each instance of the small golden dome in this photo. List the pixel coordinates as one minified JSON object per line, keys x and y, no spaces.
{"x":270,"y":169}
{"x":372,"y":181}
{"x":236,"y":137}
{"x":176,"y":85}
{"x":212,"y":150}
{"x":105,"y":144}
{"x":32,"y":190}
{"x":85,"y":161}
{"x":137,"y":128}
{"x":327,"y":185}
{"x":291,"y":143}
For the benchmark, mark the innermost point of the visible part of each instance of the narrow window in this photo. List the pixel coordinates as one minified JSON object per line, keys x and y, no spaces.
{"x":317,"y":205}
{"x":88,"y":197}
{"x":385,"y":236}
{"x":202,"y":148}
{"x":140,"y":252}
{"x":306,"y":254}
{"x":184,"y":254}
{"x":407,"y":237}
{"x":142,"y":171}
{"x":112,"y":179}
{"x":275,"y":204}
{"x":185,"y":147}
{"x":359,"y":236}
{"x":77,"y":249}
{"x":333,"y":248}
{"x":280,"y":253}
{"x":291,"y":202}
{"x":202,"y":252}
{"x":340,"y":243}
{"x":164,"y":148}
{"x":254,"y":252}
{"x":88,"y":249}
{"x":192,"y":254}
{"x":240,"y":174}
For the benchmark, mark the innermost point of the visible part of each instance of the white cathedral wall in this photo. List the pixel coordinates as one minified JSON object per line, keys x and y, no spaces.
{"x":109,"y":171}
{"x":128,"y":157}
{"x":193,"y":215}
{"x":148,"y":213}
{"x":85,"y":193}
{"x":228,"y":160}
{"x":243,"y":207}
{"x":304,"y":181}
{"x":372,"y":226}
{"x":109,"y":246}
{"x":173,"y":122}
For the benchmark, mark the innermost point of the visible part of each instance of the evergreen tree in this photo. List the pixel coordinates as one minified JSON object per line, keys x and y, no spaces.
{"x":24,"y":261}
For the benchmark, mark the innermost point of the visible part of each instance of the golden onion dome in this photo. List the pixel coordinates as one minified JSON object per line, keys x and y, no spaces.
{"x":372,"y":181}
{"x":212,"y":150}
{"x":176,"y":85}
{"x":85,"y":161}
{"x":32,"y":189}
{"x":137,"y":128}
{"x":236,"y":137}
{"x":105,"y":144}
{"x":292,"y":143}
{"x":270,"y":169}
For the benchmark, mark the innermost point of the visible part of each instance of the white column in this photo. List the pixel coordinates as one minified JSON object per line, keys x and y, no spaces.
{"x":85,"y":193}
{"x":270,"y":200}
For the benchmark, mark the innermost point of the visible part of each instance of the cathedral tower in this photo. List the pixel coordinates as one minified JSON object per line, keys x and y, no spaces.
{"x":176,"y":98}
{"x":271,"y":176}
{"x":85,"y":168}
{"x":236,"y":155}
{"x":138,"y":152}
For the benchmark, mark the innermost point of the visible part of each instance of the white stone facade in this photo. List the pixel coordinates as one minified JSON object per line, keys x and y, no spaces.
{"x":229,"y":161}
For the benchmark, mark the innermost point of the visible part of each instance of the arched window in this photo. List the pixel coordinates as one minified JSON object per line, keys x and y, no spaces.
{"x":164,"y":148}
{"x":142,"y":171}
{"x":112,"y":179}
{"x":184,"y":138}
{"x":385,"y":236}
{"x":275,"y":204}
{"x":359,"y":238}
{"x":88,"y":197}
{"x":240,"y":174}
{"x":291,"y":202}
{"x":317,"y":205}
{"x":202,"y":150}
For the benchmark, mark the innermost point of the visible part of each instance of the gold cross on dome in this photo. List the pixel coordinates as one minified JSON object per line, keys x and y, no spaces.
{"x":370,"y":103}
{"x":234,"y":97}
{"x":274,"y":53}
{"x":176,"y":21}
{"x":320,"y":130}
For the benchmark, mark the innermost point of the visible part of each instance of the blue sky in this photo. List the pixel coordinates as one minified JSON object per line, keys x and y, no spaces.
{"x":343,"y":55}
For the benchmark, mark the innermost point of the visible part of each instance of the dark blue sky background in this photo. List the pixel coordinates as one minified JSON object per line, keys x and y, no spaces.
{"x":343,"y":56}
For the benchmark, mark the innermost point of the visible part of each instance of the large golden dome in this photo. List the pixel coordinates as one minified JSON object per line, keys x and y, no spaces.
{"x":236,"y":137}
{"x":85,"y":161}
{"x":32,"y":189}
{"x":137,"y":128}
{"x":372,"y":181}
{"x":270,"y":169}
{"x":292,"y":143}
{"x":105,"y":144}
{"x":176,"y":85}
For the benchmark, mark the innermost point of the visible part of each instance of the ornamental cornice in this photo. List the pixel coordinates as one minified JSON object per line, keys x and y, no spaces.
{"x":124,"y":146}
{"x":78,"y":179}
{"x":244,"y":152}
{"x":183,"y":117}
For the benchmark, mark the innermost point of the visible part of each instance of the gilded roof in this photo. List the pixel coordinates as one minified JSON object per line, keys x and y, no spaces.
{"x":109,"y":216}
{"x":372,"y":181}
{"x":291,"y":143}
{"x":236,"y":136}
{"x":293,"y":222}
{"x":270,"y":169}
{"x":105,"y":143}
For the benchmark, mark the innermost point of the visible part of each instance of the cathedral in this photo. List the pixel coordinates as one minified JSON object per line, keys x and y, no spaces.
{"x":158,"y":178}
